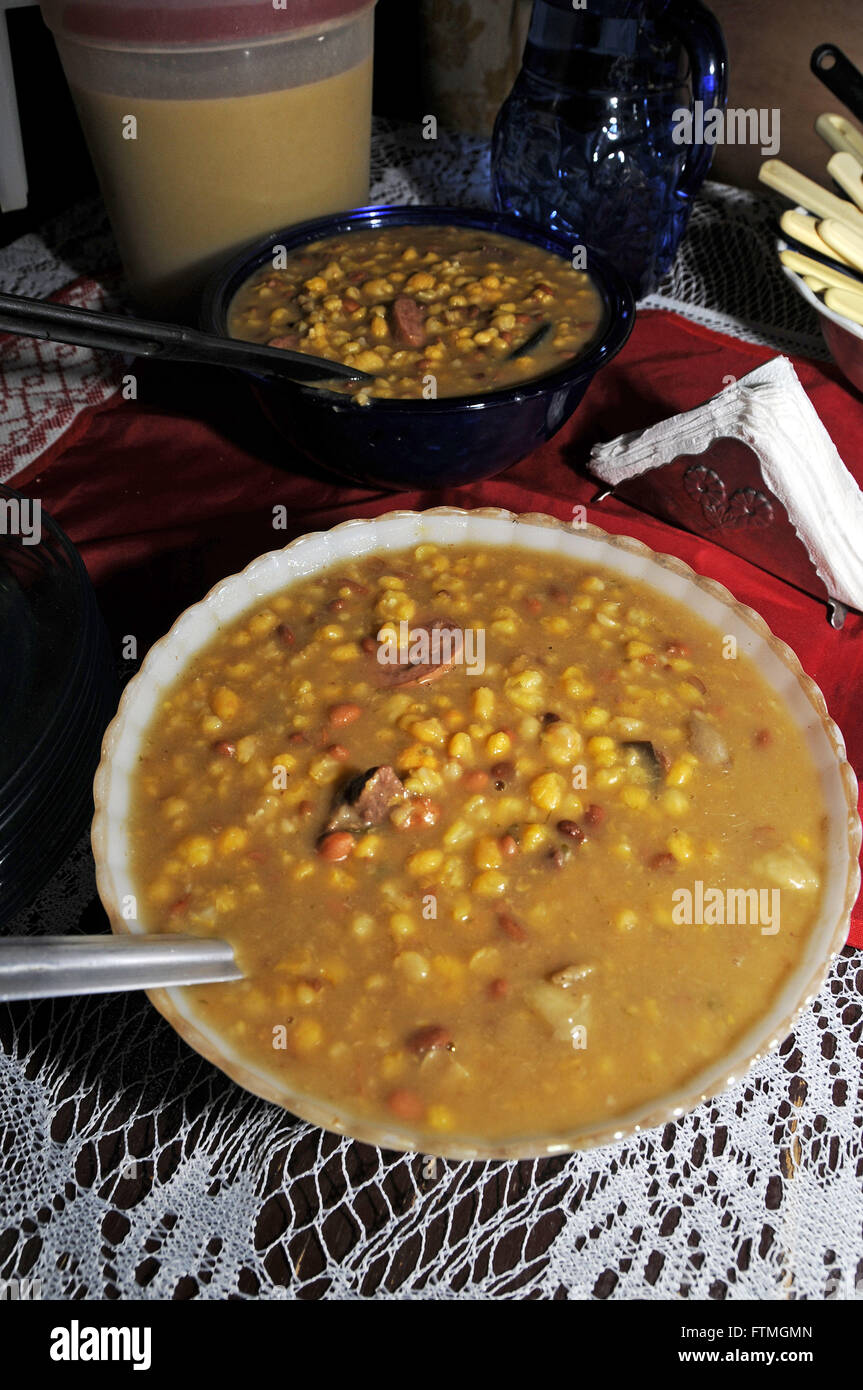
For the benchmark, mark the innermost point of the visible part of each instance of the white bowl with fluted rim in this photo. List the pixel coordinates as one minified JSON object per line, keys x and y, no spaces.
{"x":448,"y":525}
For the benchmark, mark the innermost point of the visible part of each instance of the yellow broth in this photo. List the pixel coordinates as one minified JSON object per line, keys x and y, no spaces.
{"x":428,"y":311}
{"x":502,"y":952}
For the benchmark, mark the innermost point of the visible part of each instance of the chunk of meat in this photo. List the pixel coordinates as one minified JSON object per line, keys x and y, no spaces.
{"x":289,"y":341}
{"x":444,"y":644}
{"x":367,"y":799}
{"x":654,"y":761}
{"x":430,"y":1039}
{"x":707,"y":742}
{"x":570,"y":976}
{"x":408,"y":323}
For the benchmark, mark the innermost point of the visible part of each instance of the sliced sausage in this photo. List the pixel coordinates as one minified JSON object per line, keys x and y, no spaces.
{"x":408,"y":323}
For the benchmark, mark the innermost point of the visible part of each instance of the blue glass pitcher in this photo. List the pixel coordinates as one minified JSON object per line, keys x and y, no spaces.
{"x":585,"y":142}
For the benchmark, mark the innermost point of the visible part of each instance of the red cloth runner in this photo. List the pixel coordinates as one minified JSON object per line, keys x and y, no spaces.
{"x":165,"y":499}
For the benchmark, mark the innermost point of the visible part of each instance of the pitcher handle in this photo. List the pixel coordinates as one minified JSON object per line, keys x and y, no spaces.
{"x":700,"y":33}
{"x":13,"y":170}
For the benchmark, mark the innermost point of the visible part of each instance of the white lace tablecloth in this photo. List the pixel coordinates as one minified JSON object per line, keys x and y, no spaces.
{"x":130,"y":1168}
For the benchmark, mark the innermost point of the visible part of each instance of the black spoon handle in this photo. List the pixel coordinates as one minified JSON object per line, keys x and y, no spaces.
{"x":839,"y":76}
{"x":36,"y":318}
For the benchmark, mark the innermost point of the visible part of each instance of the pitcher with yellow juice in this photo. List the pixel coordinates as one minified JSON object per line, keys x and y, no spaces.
{"x":211,"y":124}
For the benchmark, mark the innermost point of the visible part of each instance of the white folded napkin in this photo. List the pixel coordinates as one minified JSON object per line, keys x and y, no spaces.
{"x":770,"y":412}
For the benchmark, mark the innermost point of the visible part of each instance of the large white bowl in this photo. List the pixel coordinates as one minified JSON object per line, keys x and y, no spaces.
{"x":448,"y":525}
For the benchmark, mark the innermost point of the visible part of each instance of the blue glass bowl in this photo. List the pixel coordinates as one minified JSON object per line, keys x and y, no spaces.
{"x":408,"y":444}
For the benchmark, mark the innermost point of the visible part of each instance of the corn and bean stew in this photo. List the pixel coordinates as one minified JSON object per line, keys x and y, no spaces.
{"x":428,"y":311}
{"x":444,"y":804}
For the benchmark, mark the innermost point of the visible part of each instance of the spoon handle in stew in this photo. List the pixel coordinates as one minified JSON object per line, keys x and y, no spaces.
{"x":45,"y":967}
{"x":63,"y":323}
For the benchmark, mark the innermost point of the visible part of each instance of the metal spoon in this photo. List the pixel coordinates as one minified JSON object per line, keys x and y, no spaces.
{"x":46,"y":967}
{"x":59,"y":323}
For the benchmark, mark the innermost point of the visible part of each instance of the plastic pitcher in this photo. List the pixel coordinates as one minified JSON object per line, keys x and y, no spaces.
{"x":585,"y":142}
{"x":212,"y":123}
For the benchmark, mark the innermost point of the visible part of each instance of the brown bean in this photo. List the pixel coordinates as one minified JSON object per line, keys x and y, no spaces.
{"x":594,"y":815}
{"x":569,"y":827}
{"x":498,"y":989}
{"x":341,"y":715}
{"x":475,"y":781}
{"x":763,"y":737}
{"x":508,"y":845}
{"x":305,"y":808}
{"x":337,"y":845}
{"x":406,"y":1105}
{"x":663,"y":860}
{"x":285,"y":635}
{"x":502,"y":773}
{"x":510,"y":927}
{"x":339,"y":752}
{"x":227,"y":750}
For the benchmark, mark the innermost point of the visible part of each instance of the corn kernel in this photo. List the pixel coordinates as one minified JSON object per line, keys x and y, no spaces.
{"x":413,"y":966}
{"x":482,"y":703}
{"x":533,"y":837}
{"x":367,"y":846}
{"x":498,"y":744}
{"x":225,"y":702}
{"x":680,"y":771}
{"x":626,"y":920}
{"x":197,"y":850}
{"x":636,"y":798}
{"x":428,"y":731}
{"x":345,"y":651}
{"x":306,"y":1035}
{"x":525,"y":690}
{"x":680,"y":845}
{"x":457,"y":834}
{"x":674,"y":802}
{"x":595,"y":717}
{"x":462,"y":908}
{"x":487,"y":853}
{"x":401,"y":925}
{"x":635,"y":649}
{"x":424,"y":861}
{"x":233,"y":838}
{"x":459,"y":746}
{"x":562,"y":743}
{"x":489,"y":884}
{"x":439,"y":1118}
{"x":547,"y":790}
{"x":450,"y":968}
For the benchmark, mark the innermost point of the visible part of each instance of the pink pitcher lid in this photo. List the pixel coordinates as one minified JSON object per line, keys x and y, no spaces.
{"x":192,"y":21}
